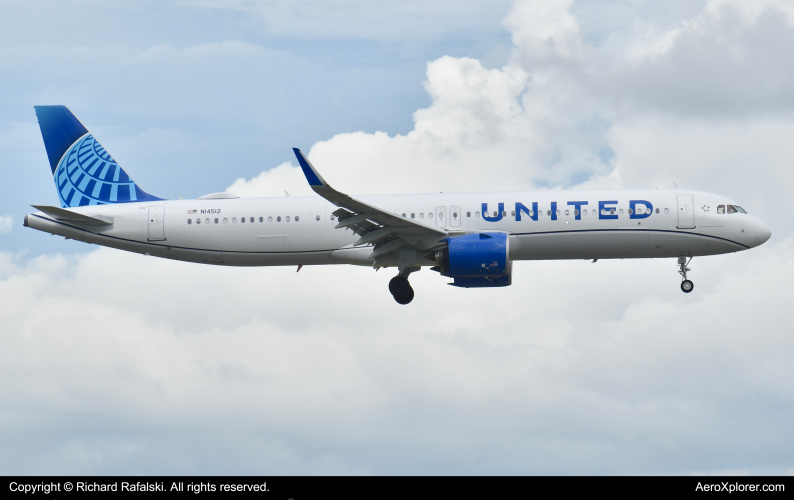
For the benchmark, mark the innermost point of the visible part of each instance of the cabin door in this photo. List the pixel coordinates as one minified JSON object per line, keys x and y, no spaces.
{"x":156,"y":230}
{"x":686,"y":211}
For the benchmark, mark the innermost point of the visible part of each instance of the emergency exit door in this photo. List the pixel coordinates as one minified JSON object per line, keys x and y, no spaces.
{"x":441,"y":216}
{"x":156,"y":230}
{"x":686,"y":211}
{"x":454,"y":216}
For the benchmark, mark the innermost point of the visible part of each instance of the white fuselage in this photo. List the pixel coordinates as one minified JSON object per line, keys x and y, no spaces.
{"x":300,"y":230}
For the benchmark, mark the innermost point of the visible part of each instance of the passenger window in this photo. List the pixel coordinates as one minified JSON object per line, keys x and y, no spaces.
{"x":740,"y":209}
{"x":261,"y":219}
{"x":548,"y":212}
{"x":333,"y":217}
{"x":513,"y":213}
{"x":558,"y":212}
{"x":657,"y":210}
{"x":667,"y":211}
{"x":421,"y":215}
{"x":403,"y":214}
{"x":297,"y":218}
{"x":477,"y":214}
{"x":252,"y":220}
{"x":576,"y":212}
{"x":242,"y":219}
{"x":287,"y":218}
{"x":234,"y":220}
{"x":731,"y":209}
{"x":190,"y":221}
{"x":198,"y":221}
{"x":413,"y":215}
{"x":720,"y":209}
{"x":504,"y":213}
{"x":225,"y":220}
{"x":207,"y":221}
{"x":620,"y":211}
{"x":468,"y":214}
{"x":632,"y":211}
{"x":430,"y":215}
{"x":216,"y":221}
{"x":317,"y":218}
{"x":567,"y":212}
{"x":454,"y":214}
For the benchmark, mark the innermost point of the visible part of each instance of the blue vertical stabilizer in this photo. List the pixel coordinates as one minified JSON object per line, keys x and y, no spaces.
{"x":84,"y":173}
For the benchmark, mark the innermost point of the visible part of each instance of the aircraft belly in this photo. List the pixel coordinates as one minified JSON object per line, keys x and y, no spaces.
{"x":633,"y":243}
{"x":569,"y":245}
{"x":619,"y":244}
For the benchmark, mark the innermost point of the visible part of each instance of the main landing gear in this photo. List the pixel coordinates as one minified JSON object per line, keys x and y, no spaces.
{"x":401,"y":289}
{"x":686,"y":285}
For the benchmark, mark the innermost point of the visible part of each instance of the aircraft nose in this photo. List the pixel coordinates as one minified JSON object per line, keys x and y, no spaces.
{"x":762,"y":233}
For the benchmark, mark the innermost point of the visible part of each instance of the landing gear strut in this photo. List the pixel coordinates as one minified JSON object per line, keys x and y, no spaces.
{"x":400,"y":288}
{"x":686,"y":285}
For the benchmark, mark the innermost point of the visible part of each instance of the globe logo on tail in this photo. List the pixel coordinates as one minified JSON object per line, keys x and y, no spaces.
{"x":88,"y":175}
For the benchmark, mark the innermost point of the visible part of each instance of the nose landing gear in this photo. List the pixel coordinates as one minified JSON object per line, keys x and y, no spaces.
{"x":686,"y":285}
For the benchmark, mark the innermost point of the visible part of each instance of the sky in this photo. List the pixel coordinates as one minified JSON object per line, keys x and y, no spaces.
{"x":117,"y":363}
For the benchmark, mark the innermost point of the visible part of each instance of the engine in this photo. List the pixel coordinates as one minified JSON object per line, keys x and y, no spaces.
{"x":476,"y":260}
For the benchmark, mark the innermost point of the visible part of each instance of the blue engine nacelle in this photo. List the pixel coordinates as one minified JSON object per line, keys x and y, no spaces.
{"x":476,"y":260}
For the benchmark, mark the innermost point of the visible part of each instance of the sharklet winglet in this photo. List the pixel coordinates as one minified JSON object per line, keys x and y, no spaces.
{"x":312,"y":176}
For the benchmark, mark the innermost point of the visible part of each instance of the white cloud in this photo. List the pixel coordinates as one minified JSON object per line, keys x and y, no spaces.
{"x":273,"y":183}
{"x":578,"y":367}
{"x":543,"y":25}
{"x":6,"y":223}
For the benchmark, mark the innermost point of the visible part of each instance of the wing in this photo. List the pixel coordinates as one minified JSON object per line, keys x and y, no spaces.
{"x":387,"y":231}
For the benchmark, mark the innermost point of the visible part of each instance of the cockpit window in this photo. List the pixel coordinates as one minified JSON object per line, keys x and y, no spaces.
{"x":732,"y":210}
{"x":721,"y":209}
{"x":740,"y":209}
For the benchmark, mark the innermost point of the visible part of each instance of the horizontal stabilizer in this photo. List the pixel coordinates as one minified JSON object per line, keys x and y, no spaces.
{"x":64,"y":215}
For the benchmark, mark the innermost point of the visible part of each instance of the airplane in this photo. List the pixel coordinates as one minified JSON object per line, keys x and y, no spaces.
{"x":471,"y":238}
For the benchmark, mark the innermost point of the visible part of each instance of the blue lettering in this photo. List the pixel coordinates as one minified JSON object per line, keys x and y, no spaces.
{"x":521,"y":208}
{"x":553,"y":210}
{"x":492,"y":219}
{"x":602,"y":206}
{"x":577,"y":205}
{"x":633,"y":209}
